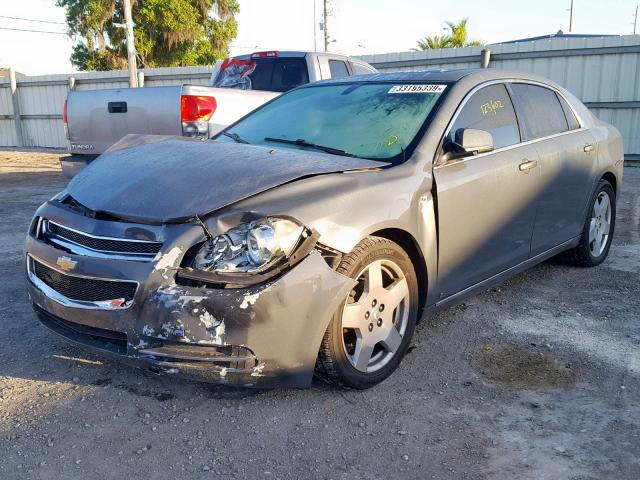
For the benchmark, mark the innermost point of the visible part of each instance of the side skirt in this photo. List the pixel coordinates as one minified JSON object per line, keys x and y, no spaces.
{"x":500,"y":277}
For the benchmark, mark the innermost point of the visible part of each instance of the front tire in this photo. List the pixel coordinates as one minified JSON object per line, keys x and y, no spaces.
{"x":597,"y":232}
{"x":371,"y":332}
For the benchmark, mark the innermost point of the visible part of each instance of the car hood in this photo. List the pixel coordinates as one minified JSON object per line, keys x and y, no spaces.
{"x":159,"y":179}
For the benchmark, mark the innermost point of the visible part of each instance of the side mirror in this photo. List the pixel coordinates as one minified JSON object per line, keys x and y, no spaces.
{"x":469,"y":141}
{"x":474,"y":141}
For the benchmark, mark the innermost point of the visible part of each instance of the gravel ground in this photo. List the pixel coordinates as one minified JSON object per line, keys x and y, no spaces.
{"x":536,"y":379}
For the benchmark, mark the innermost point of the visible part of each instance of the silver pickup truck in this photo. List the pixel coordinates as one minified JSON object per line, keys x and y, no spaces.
{"x":96,"y":119}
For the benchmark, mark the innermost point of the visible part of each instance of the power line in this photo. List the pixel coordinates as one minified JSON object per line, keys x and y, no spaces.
{"x":32,"y":20}
{"x":32,"y":31}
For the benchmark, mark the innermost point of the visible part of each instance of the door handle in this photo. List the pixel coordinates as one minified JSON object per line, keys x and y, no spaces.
{"x":527,"y":165}
{"x":588,"y":147}
{"x":117,"y":107}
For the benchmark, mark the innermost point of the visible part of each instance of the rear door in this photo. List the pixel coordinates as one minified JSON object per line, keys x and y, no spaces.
{"x":486,"y":203}
{"x":566,"y":154}
{"x":99,"y":118}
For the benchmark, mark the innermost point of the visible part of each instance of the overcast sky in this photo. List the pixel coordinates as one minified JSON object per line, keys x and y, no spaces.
{"x":357,"y":26}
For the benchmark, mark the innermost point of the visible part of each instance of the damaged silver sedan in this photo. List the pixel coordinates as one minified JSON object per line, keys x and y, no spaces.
{"x":312,"y":235}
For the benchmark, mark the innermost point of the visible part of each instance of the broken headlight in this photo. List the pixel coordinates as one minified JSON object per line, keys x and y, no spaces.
{"x":250,"y":247}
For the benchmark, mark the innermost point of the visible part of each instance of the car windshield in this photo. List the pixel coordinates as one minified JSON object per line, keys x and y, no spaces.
{"x":379,"y":121}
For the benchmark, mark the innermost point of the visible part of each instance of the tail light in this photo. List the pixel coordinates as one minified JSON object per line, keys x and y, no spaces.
{"x":64,"y":120}
{"x":196,"y":111}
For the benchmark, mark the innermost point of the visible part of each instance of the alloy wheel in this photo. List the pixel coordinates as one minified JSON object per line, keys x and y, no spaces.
{"x":600,"y":226}
{"x":375,"y":316}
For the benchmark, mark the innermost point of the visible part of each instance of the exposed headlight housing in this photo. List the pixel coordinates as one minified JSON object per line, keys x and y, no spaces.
{"x":251,"y":252}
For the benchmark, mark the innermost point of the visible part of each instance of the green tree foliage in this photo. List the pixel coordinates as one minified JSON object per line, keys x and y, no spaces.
{"x":431,"y":43}
{"x":458,"y":36}
{"x":167,"y":33}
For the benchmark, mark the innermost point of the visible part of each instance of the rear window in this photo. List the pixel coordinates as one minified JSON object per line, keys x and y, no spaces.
{"x":540,"y":109}
{"x":271,"y":74}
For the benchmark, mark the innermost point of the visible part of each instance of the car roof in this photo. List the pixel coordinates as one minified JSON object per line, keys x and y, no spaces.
{"x":296,"y":54}
{"x":440,"y":75}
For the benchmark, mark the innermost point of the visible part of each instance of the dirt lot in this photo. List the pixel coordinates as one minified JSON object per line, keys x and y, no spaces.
{"x":536,"y":379}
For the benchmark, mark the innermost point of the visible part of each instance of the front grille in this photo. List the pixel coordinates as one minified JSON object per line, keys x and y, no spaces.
{"x":83,"y":289}
{"x":66,"y":237}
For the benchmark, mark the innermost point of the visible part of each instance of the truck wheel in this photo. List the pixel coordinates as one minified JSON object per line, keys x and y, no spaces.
{"x":597,"y":232}
{"x":370,"y":333}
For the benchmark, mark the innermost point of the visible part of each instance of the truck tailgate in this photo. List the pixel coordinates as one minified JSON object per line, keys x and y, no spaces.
{"x":99,"y":118}
{"x":231,"y":104}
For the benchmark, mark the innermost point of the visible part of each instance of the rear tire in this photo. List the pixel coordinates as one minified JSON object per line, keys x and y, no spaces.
{"x":597,"y":232}
{"x":371,"y":331}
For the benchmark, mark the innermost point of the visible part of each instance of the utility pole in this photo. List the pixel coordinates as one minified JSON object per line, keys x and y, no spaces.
{"x":131,"y":47}
{"x":324,"y":23}
{"x":315,"y":27}
{"x":635,"y":20}
{"x":571,"y":16}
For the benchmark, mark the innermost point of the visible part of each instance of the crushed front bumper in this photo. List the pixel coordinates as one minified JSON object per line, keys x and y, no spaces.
{"x":263,"y":336}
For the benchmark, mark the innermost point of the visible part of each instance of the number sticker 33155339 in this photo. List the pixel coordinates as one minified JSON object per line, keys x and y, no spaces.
{"x":417,"y":88}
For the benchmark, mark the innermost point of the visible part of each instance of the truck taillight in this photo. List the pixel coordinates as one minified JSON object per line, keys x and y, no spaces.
{"x":65,"y":126}
{"x":197,"y":108}
{"x":195,"y":111}
{"x":264,"y":54}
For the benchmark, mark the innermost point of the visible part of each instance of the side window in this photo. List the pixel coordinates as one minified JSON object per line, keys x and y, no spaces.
{"x":489,"y":109}
{"x":360,"y":69}
{"x":568,"y":113}
{"x":338,"y":69}
{"x":540,"y":110}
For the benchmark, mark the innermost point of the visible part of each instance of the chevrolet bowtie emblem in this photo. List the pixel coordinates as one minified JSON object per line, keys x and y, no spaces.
{"x":66,"y":263}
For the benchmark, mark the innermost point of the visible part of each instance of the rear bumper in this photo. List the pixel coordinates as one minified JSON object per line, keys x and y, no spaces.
{"x":73,"y":164}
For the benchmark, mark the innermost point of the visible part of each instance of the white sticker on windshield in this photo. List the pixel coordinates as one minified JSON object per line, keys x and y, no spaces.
{"x":432,"y":88}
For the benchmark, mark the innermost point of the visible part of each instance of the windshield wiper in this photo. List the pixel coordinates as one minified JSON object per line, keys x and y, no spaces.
{"x":235,"y":137}
{"x":303,"y":143}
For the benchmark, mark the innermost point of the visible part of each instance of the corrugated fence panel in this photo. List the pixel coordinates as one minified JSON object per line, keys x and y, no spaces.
{"x":43,"y":132}
{"x":599,"y":69}
{"x":42,"y":97}
{"x":596,"y":70}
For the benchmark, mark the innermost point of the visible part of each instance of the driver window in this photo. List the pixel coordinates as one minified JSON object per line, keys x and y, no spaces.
{"x":489,"y":109}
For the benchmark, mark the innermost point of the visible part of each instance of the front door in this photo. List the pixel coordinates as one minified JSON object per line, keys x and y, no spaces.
{"x":486,"y":203}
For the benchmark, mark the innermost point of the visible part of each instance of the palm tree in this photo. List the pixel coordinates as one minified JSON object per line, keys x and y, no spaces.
{"x":431,"y":43}
{"x":457,"y":37}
